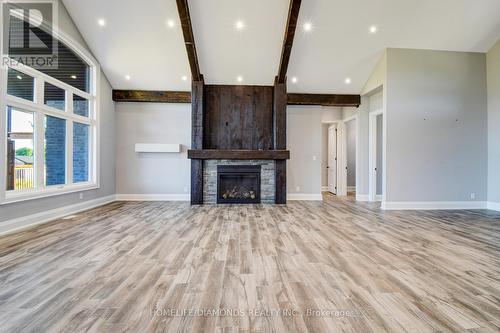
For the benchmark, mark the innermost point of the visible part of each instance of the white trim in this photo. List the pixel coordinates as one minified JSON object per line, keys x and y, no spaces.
{"x":493,"y":205}
{"x":362,"y":197}
{"x":378,"y":197}
{"x":432,"y":205}
{"x":16,"y":225}
{"x":351,"y":188}
{"x":153,"y":197}
{"x":47,"y":191}
{"x":372,"y":154}
{"x":341,"y":159}
{"x":324,"y":189}
{"x":304,"y":197}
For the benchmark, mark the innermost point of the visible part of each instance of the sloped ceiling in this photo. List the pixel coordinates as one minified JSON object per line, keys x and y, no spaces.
{"x":137,"y":40}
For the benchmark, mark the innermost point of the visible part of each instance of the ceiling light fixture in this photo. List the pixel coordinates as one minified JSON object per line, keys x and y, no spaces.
{"x":373,"y":29}
{"x":239,"y":25}
{"x":348,"y":80}
{"x":73,"y":77}
{"x":19,"y":77}
{"x":239,"y":78}
{"x":308,"y":26}
{"x":171,"y":23}
{"x":127,"y":77}
{"x":294,"y":79}
{"x":184,"y":78}
{"x":101,"y":22}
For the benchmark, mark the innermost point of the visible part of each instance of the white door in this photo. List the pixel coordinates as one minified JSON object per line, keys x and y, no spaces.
{"x":332,"y":160}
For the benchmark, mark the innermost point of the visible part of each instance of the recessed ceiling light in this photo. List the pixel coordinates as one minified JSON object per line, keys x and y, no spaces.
{"x":308,"y":26}
{"x":294,"y":79}
{"x":373,"y":29}
{"x":239,"y":25}
{"x":127,"y":77}
{"x":19,"y":77}
{"x":73,"y":77}
{"x":101,"y":22}
{"x":347,"y":80}
{"x":239,"y":78}
{"x":184,"y":78}
{"x":171,"y":23}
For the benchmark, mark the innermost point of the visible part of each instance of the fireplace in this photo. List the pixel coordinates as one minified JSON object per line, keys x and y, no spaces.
{"x":238,"y":184}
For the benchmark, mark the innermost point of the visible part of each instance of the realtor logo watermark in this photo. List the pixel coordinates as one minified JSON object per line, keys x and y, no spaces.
{"x":28,"y":30}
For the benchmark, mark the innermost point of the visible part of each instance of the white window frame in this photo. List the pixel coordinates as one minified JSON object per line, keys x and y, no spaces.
{"x":40,"y":110}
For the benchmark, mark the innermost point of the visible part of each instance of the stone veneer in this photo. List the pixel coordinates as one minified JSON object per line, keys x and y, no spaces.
{"x":267,"y":180}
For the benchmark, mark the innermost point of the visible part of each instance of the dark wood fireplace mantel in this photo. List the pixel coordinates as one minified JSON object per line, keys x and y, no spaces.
{"x":225,"y":154}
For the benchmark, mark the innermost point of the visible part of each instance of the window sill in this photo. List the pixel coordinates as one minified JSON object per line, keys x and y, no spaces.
{"x":47,"y":192}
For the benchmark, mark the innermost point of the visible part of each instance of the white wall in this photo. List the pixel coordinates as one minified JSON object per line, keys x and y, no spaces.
{"x":307,"y":144}
{"x":436,"y":125}
{"x":146,"y":173}
{"x":493,"y":69}
{"x":107,"y":148}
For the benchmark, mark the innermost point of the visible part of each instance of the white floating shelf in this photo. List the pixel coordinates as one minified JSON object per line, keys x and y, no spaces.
{"x":157,"y":148}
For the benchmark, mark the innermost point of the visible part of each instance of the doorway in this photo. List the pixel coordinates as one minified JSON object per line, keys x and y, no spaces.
{"x":376,"y":155}
{"x":332,"y":159}
{"x":351,"y":151}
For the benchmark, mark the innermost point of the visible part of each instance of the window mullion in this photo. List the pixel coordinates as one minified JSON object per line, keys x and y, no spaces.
{"x":69,"y":151}
{"x":39,"y":133}
{"x":69,"y":102}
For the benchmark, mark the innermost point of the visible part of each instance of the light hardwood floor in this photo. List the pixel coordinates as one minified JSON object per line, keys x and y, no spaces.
{"x":125,"y":266}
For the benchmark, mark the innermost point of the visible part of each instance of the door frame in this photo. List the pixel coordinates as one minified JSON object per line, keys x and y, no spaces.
{"x":357,"y":171}
{"x":372,"y":156}
{"x":331,"y":128}
{"x":342,"y":154}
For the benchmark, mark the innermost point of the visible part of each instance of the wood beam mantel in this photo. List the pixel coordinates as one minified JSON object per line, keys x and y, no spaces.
{"x":187,"y":31}
{"x":291,"y":25}
{"x":185,"y":97}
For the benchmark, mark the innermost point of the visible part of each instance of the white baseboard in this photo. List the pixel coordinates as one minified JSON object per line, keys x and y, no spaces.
{"x":493,"y":205}
{"x":153,"y":197}
{"x":351,"y":188}
{"x":324,"y":189}
{"x":15,"y":225}
{"x":362,"y":197}
{"x":432,"y":205}
{"x":304,"y":197}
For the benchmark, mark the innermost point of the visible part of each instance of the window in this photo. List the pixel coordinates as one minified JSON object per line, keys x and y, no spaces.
{"x":20,"y":149}
{"x":50,"y":120}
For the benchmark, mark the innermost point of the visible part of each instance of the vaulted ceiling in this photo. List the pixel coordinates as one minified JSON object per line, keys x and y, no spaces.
{"x":138,"y":40}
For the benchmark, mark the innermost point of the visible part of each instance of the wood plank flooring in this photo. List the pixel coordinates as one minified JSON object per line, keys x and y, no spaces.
{"x":329,"y":266}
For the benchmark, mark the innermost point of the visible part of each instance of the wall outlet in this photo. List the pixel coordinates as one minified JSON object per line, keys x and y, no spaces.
{"x":81,"y":196}
{"x":297,"y":188}
{"x":473,"y":196}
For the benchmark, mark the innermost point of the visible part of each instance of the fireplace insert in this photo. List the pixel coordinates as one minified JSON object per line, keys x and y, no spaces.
{"x":238,"y":184}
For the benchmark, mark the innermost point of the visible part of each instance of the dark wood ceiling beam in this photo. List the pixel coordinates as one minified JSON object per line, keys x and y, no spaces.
{"x":187,"y":31}
{"x":151,"y":96}
{"x":324,"y":100}
{"x":291,"y":26}
{"x":185,"y":97}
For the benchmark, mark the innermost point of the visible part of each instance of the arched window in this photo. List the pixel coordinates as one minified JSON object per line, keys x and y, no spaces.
{"x":50,"y":110}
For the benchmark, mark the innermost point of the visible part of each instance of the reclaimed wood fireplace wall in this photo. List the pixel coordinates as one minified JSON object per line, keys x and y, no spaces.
{"x":238,"y":123}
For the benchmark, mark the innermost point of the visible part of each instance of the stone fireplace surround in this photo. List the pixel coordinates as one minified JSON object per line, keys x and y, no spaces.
{"x":267,"y":181}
